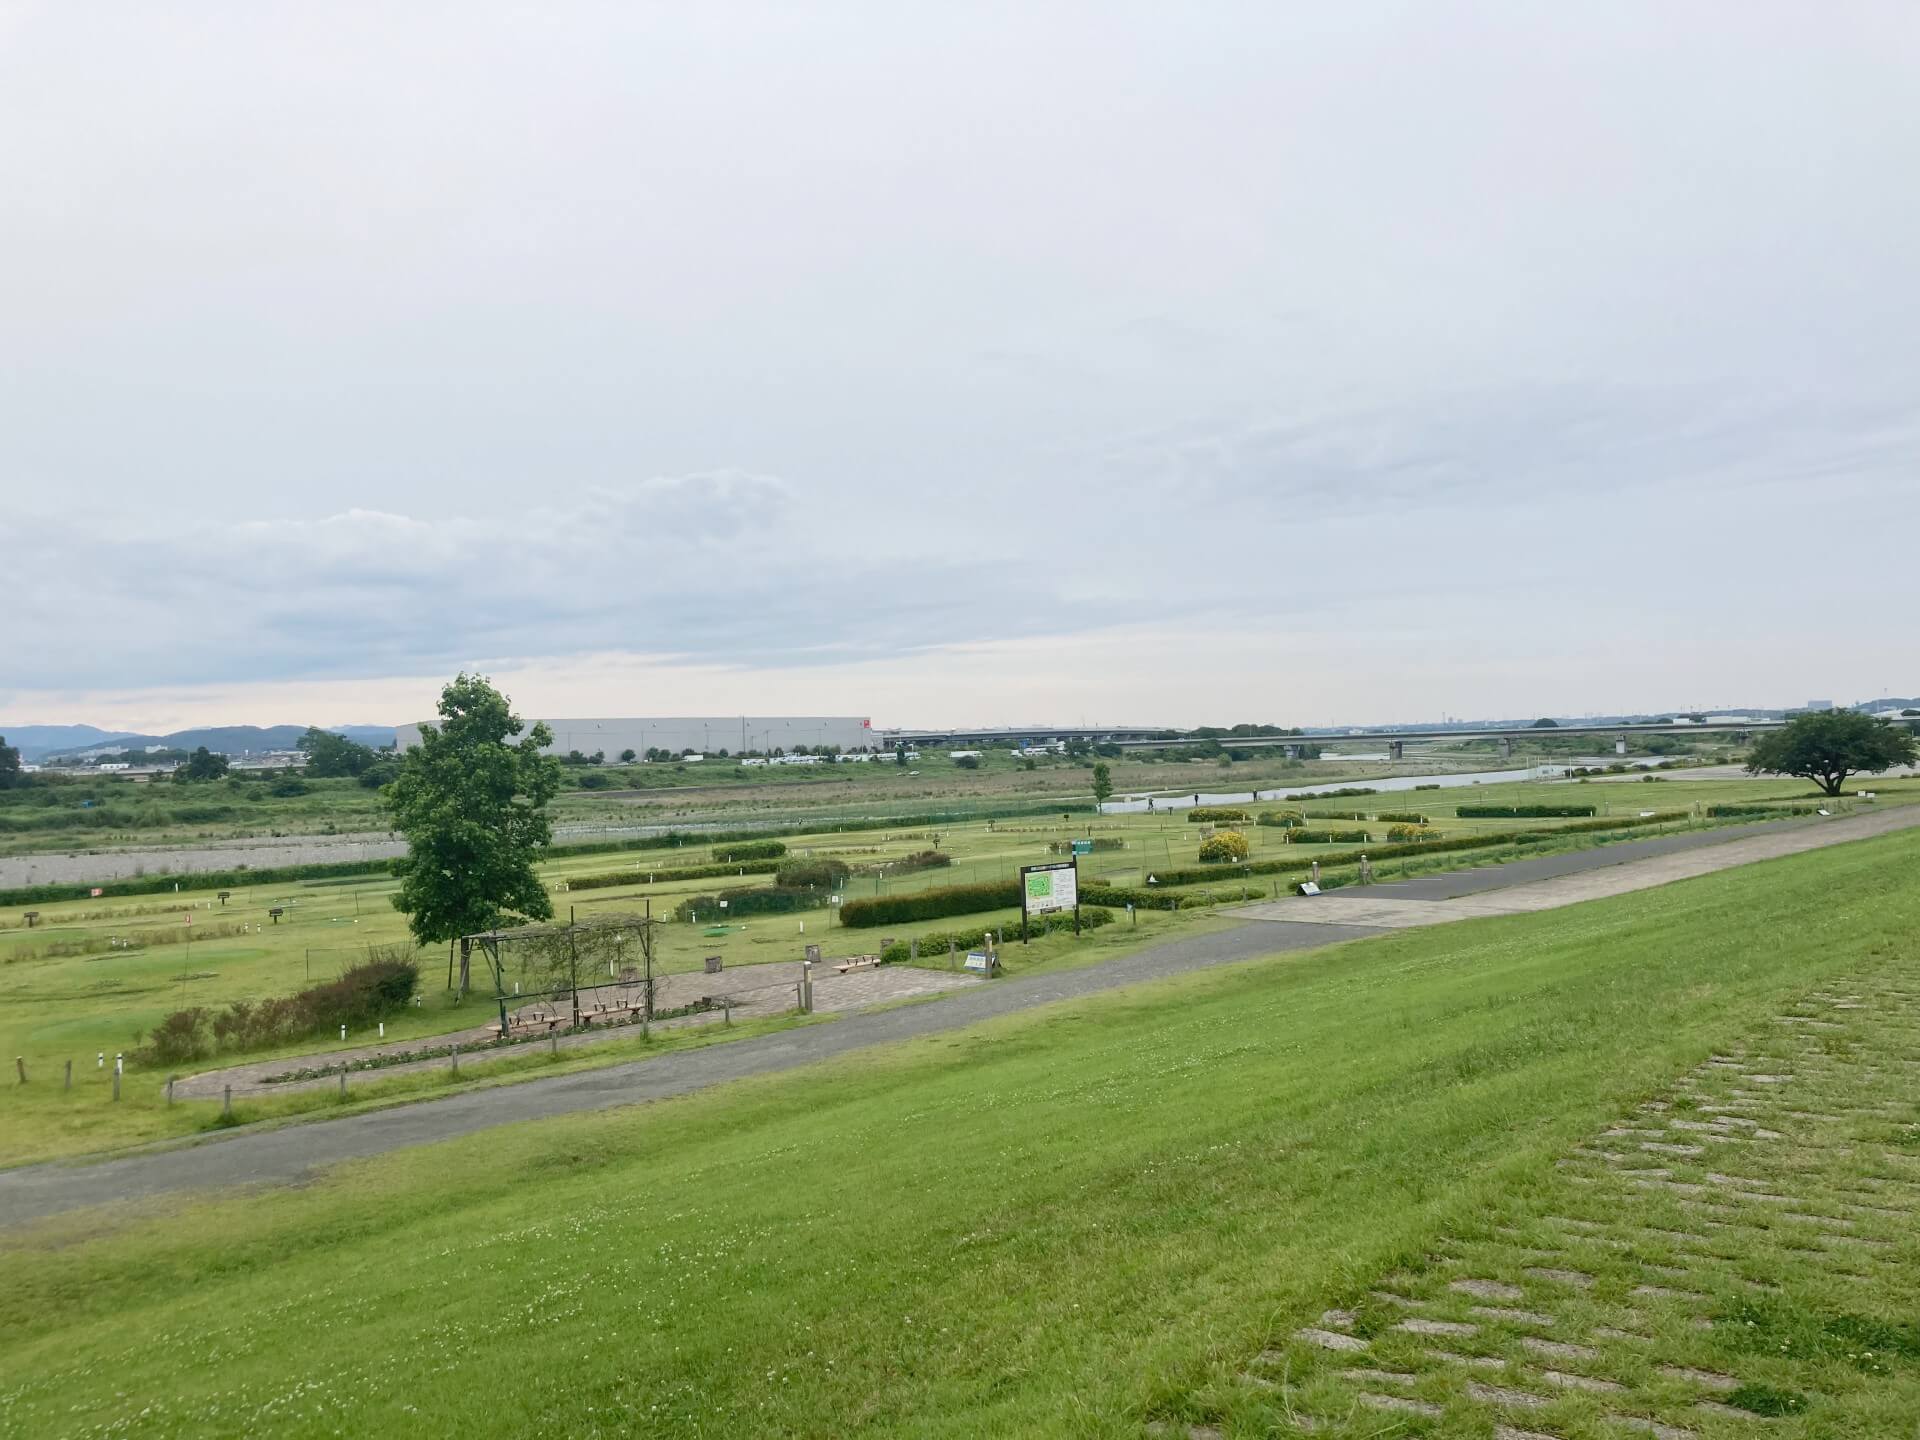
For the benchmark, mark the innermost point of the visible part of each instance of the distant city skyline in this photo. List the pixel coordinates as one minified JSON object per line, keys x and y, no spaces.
{"x":1313,"y":365}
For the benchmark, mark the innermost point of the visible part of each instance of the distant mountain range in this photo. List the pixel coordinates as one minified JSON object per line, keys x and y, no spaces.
{"x":39,"y":743}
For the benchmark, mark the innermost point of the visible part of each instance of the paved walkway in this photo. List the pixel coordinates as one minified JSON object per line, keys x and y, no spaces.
{"x":1556,"y":880}
{"x":292,"y":1153}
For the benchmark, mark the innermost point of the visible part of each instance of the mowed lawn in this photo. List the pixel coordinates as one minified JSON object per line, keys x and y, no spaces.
{"x":1069,"y":1222}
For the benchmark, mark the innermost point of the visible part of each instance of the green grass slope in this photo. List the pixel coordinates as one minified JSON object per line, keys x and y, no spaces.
{"x":1059,"y":1224}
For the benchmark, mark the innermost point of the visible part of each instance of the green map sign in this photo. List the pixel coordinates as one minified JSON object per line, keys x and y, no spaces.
{"x":1050,"y":887}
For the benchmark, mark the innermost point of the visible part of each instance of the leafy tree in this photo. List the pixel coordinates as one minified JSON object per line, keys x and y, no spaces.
{"x":967,"y":762}
{"x":201,"y":765}
{"x":1909,"y":713}
{"x":1543,"y":723}
{"x":626,"y":757}
{"x":331,"y":756}
{"x":900,"y":756}
{"x":1102,"y":784}
{"x":1828,"y":746}
{"x":9,"y":765}
{"x":472,"y":803}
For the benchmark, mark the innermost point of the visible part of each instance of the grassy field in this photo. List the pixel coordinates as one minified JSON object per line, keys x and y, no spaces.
{"x":1087,"y":1220}
{"x":93,"y":976}
{"x":109,"y":812}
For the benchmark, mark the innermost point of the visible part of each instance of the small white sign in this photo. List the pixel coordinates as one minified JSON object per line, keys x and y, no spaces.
{"x":1307,"y":887}
{"x":979,"y":960}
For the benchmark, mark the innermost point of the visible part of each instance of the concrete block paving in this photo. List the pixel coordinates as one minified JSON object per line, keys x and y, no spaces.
{"x":1720,"y":1262}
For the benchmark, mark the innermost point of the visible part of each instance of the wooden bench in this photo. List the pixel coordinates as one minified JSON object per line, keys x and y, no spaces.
{"x":858,"y":962}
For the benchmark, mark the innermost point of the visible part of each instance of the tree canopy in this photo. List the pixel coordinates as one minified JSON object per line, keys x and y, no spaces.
{"x":472,"y":802}
{"x":1546,"y":723}
{"x":9,"y":764}
{"x":1102,"y":785}
{"x":203,"y":764}
{"x":331,"y":756}
{"x":1828,"y":746}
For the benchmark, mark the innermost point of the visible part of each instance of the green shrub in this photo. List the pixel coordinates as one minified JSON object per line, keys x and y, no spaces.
{"x":907,"y":864}
{"x":1341,"y":794}
{"x":1336,"y":814}
{"x":372,"y":990}
{"x":1226,"y":847}
{"x":930,"y":904}
{"x":753,"y":900}
{"x":1327,"y":837}
{"x":812,"y":874}
{"x":1216,"y":815}
{"x":750,"y":850}
{"x":1722,"y":812}
{"x":1426,"y":787}
{"x":606,"y":879}
{"x":935,"y":943}
{"x":1284,"y":819}
{"x":1401,"y":817}
{"x":1411,"y":834}
{"x":1520,"y":812}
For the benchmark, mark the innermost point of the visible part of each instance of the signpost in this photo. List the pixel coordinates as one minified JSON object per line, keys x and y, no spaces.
{"x":1082,"y":847}
{"x":1046,"y":888}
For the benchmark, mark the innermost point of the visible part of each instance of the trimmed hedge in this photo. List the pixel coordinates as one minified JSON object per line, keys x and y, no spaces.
{"x":750,"y":850}
{"x":934,"y":945}
{"x":1521,"y":812}
{"x":930,"y":904}
{"x":192,"y":880}
{"x":1719,"y":812}
{"x":1215,"y":815}
{"x":907,"y":864}
{"x":1341,"y":794}
{"x":1283,"y":819}
{"x":828,"y":874}
{"x":753,"y":900}
{"x":606,"y":879}
{"x":1401,"y":817}
{"x":1336,"y":815}
{"x":1327,"y":837}
{"x":1411,"y":835}
{"x":1484,"y":841}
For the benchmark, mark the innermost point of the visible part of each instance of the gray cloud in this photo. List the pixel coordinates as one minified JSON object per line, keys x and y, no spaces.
{"x":332,"y":339}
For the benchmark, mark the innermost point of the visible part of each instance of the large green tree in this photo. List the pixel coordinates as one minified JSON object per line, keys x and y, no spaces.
{"x":203,"y":764}
{"x":1827,"y":746}
{"x":1102,"y":785}
{"x":472,"y":802}
{"x":331,"y":756}
{"x":9,"y":764}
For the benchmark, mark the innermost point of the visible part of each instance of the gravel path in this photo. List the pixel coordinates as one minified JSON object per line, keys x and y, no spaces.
{"x":292,"y":1153}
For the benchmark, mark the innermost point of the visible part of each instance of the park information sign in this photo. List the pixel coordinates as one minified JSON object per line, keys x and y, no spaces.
{"x":1046,"y":888}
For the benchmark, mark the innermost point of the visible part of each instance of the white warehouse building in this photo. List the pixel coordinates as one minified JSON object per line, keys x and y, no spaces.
{"x":702,"y":734}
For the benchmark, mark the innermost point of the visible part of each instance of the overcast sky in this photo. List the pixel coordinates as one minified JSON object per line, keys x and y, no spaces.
{"x":1159,"y":363}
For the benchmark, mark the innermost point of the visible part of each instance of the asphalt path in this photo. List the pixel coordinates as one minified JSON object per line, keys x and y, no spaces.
{"x":291,"y":1154}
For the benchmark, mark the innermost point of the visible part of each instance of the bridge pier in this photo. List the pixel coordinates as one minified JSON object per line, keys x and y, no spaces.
{"x":1396,"y":749}
{"x":1292,"y":752}
{"x":1506,"y":747}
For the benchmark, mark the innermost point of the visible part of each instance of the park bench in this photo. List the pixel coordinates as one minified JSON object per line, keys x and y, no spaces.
{"x":858,"y":962}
